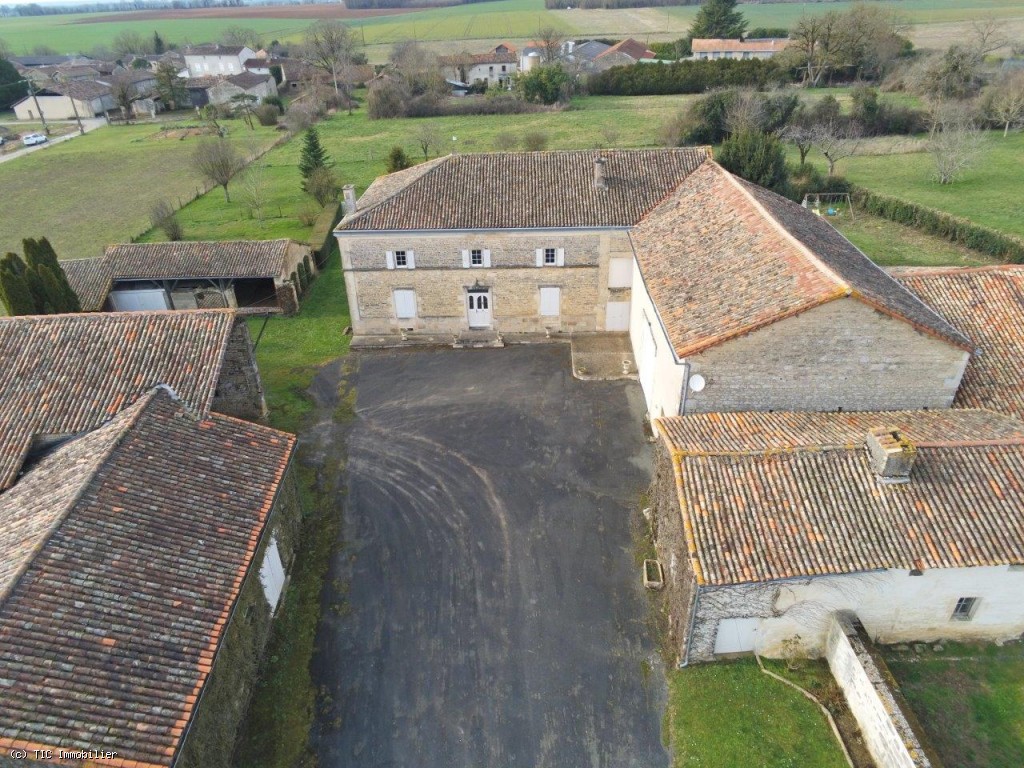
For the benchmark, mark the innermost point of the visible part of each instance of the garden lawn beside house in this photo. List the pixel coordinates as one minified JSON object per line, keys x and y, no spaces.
{"x":969,"y":699}
{"x":894,"y":245}
{"x":731,"y":714}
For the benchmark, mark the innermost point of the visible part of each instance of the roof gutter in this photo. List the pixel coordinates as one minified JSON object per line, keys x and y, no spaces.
{"x":444,"y":231}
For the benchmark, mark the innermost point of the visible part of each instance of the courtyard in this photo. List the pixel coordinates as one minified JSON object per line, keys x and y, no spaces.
{"x":485,"y":607}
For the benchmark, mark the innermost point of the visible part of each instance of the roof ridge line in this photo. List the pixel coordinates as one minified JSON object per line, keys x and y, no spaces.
{"x":786,"y":234}
{"x":139,"y":405}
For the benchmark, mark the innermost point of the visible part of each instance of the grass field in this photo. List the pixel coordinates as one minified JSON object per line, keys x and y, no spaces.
{"x":97,"y":189}
{"x":989,"y":194}
{"x":731,"y":714}
{"x":506,"y":19}
{"x":892,"y":245}
{"x":970,"y":701}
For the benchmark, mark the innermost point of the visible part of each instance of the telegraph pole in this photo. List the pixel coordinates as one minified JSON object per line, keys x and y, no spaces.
{"x":74,"y":106}
{"x":32,"y":93}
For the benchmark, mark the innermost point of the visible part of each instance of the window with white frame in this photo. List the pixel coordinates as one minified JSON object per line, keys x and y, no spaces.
{"x":550,"y":257}
{"x":965,"y":609}
{"x":476,"y":257}
{"x":400,"y":259}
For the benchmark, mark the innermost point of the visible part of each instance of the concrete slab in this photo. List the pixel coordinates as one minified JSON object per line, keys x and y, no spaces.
{"x":486,"y":608}
{"x":603,"y":357}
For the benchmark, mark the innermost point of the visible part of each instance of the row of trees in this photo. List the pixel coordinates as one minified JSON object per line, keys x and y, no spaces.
{"x":35,"y":284}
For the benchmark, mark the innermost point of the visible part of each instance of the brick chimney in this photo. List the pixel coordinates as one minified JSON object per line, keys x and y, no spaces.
{"x":892,"y":455}
{"x":600,"y":180}
{"x":350,"y":199}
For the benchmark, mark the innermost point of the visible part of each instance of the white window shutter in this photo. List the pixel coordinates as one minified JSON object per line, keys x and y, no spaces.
{"x":560,"y":257}
{"x":540,"y":257}
{"x":390,"y":256}
{"x":410,"y":259}
{"x":487,"y":258}
{"x":465,"y":259}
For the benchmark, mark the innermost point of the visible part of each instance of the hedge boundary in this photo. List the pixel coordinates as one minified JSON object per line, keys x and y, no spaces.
{"x":958,"y":230}
{"x":320,"y":239}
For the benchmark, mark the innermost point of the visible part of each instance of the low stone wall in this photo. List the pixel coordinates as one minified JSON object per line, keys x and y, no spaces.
{"x":888,"y":733}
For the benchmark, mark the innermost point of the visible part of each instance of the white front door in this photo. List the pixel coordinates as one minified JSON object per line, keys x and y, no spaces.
{"x":479,"y":309}
{"x":736,"y":635}
{"x":550,"y":301}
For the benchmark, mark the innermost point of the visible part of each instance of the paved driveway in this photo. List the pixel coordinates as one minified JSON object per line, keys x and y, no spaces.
{"x":485,"y":610}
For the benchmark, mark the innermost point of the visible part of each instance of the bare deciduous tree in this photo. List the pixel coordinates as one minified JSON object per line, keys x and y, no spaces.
{"x":218,"y":161}
{"x":238,"y":35}
{"x":988,"y":35}
{"x":323,"y":185}
{"x":835,"y":141}
{"x":955,"y":142}
{"x":428,"y":136}
{"x":163,"y":217}
{"x":801,"y":136}
{"x":256,"y":191}
{"x":505,"y":141}
{"x":1006,"y":101}
{"x":609,"y":135}
{"x":549,"y":40}
{"x":745,"y":112}
{"x":329,"y":46}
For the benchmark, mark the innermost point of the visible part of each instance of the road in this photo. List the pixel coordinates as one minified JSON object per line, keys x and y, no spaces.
{"x":90,"y":124}
{"x":485,"y":608}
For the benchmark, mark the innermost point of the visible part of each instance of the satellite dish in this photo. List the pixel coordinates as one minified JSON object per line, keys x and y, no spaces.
{"x":697,"y":383}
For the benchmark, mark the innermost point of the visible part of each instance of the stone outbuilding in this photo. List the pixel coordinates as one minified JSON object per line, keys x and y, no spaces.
{"x":767,"y":524}
{"x":255,"y":276}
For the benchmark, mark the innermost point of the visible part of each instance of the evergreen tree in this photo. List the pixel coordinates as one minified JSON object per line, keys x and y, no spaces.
{"x":756,"y":157}
{"x":14,"y":287}
{"x":52,"y":290}
{"x":158,"y":44}
{"x":46,"y":279}
{"x":398,"y":160}
{"x":313,"y":155}
{"x":718,"y":18}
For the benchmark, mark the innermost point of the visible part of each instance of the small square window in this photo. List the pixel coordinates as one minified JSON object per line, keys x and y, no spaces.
{"x":965,"y":608}
{"x":401,"y":260}
{"x":550,"y":256}
{"x":476,"y":257}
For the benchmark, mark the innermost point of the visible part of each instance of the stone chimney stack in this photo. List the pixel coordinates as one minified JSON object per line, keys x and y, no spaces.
{"x":892,"y":455}
{"x":600,"y":180}
{"x":350,"y":199}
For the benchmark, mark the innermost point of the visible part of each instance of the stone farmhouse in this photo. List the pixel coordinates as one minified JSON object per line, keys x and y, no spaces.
{"x":664,"y":244}
{"x":770,"y":523}
{"x":217,"y":59}
{"x":65,"y":98}
{"x":249,"y":275}
{"x":755,"y":48}
{"x":144,"y":529}
{"x":495,"y":67}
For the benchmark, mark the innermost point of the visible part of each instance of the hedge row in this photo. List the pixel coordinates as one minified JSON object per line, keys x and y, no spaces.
{"x":320,"y":239}
{"x":686,"y":77}
{"x":933,"y":222}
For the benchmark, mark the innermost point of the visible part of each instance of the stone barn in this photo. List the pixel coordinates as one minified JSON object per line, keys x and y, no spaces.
{"x":767,"y":524}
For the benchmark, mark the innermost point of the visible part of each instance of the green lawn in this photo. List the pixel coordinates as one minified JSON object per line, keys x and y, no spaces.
{"x":970,"y":701}
{"x":98,"y":189}
{"x":730,"y":714}
{"x":989,"y":194}
{"x":890,"y":244}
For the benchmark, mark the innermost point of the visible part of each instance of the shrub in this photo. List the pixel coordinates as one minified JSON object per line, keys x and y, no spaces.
{"x":308,"y":213}
{"x":944,"y":225}
{"x":505,"y":141}
{"x":275,"y":101}
{"x":756,"y":157}
{"x":535,"y":141}
{"x":267,"y":114}
{"x":323,"y":185}
{"x":163,"y":217}
{"x":397,"y":160}
{"x":299,"y":118}
{"x":386,"y":100}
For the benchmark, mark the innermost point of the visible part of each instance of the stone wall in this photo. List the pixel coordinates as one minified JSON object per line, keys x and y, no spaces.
{"x":441,"y":281}
{"x":210,"y":739}
{"x":239,"y":389}
{"x":287,"y":298}
{"x":887,"y":731}
{"x":843,"y":355}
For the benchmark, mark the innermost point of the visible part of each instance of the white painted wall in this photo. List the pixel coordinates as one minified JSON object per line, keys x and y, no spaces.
{"x":893,"y":606}
{"x":661,"y":377}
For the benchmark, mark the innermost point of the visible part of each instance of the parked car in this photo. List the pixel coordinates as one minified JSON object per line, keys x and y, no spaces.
{"x":32,"y":139}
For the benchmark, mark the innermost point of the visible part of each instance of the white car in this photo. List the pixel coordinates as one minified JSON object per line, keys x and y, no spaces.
{"x":33,"y":139}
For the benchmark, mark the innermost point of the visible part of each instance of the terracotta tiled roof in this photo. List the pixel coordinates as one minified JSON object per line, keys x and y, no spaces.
{"x":765,"y":45}
{"x":525,"y":190}
{"x":491,"y":57}
{"x":782,"y":512}
{"x":65,"y":374}
{"x":233,"y":258}
{"x":987,"y":304}
{"x":90,"y":279}
{"x":722,"y":257}
{"x":754,"y":432}
{"x":631,"y":48}
{"x":146,"y":529}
